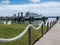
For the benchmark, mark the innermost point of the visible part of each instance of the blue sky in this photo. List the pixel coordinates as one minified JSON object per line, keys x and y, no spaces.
{"x":28,"y":1}
{"x":45,"y":7}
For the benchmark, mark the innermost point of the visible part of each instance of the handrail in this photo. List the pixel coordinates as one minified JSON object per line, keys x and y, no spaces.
{"x":20,"y":35}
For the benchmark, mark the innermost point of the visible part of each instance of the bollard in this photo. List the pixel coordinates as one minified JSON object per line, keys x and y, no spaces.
{"x":29,"y":36}
{"x":42,"y":30}
{"x":47,"y":26}
{"x":50,"y":25}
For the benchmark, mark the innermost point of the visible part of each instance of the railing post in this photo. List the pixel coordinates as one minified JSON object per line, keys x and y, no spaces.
{"x":53,"y":23}
{"x":50,"y":25}
{"x":42,"y":30}
{"x":29,"y":36}
{"x":47,"y":26}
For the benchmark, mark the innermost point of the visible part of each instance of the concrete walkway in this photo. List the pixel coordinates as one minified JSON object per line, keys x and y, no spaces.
{"x":52,"y":37}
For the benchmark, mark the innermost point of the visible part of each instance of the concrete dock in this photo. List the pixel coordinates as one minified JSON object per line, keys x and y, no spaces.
{"x":52,"y":37}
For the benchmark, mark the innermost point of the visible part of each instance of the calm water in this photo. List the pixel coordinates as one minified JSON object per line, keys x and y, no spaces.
{"x":37,"y":22}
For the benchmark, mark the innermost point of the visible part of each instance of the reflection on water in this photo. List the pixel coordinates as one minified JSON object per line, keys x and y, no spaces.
{"x":51,"y":19}
{"x":38,"y":22}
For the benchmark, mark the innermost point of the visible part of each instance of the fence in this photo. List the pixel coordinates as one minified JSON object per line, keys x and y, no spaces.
{"x":29,"y":28}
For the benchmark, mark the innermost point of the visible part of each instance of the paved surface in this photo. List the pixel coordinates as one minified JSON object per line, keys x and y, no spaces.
{"x":52,"y":37}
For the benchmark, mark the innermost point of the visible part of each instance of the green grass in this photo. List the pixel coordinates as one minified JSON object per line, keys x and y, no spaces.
{"x":9,"y":31}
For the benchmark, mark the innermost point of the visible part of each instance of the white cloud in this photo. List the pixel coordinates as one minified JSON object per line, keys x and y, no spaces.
{"x":52,"y":4}
{"x":5,"y":2}
{"x":35,"y":1}
{"x":48,"y":8}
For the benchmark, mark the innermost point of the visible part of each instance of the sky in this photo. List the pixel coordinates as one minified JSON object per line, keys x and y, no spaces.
{"x":44,"y":7}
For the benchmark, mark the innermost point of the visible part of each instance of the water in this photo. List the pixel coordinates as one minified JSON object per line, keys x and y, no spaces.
{"x":51,"y":19}
{"x":38,"y":22}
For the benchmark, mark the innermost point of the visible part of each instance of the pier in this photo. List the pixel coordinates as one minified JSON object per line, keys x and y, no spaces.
{"x":52,"y":37}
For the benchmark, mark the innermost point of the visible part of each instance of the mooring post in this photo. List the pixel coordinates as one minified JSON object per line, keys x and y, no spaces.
{"x":42,"y":30}
{"x":57,"y":18}
{"x":47,"y":26}
{"x":50,"y":25}
{"x":29,"y":36}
